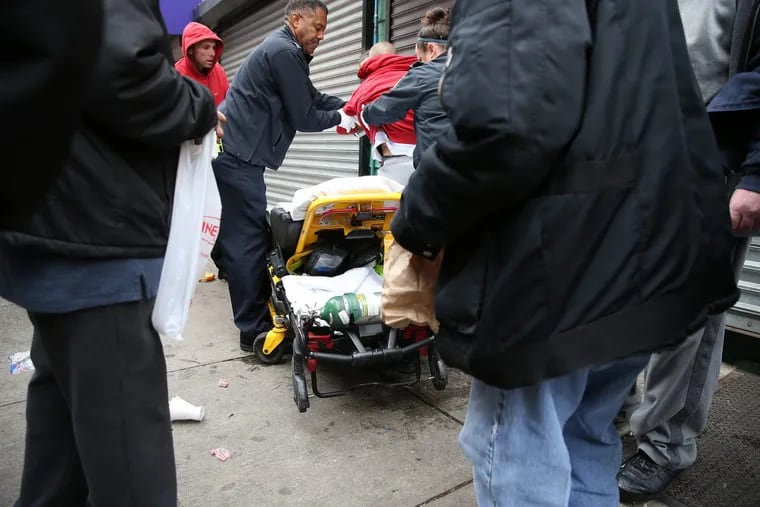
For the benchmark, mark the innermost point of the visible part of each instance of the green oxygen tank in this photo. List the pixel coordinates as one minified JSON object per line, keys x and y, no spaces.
{"x":350,"y":309}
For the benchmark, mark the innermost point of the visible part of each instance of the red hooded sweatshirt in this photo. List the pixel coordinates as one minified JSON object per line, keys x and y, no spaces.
{"x":381,"y":73}
{"x":216,"y":79}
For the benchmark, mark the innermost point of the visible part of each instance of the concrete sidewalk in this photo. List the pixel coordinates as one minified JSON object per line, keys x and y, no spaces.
{"x":379,"y":447}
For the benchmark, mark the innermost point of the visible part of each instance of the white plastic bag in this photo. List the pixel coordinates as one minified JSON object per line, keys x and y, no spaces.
{"x":195,"y":221}
{"x":212,"y":214}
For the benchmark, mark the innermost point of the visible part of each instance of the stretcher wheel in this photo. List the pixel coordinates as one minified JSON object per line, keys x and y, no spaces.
{"x":274,"y":357}
{"x":438,"y":369}
{"x":300,"y":391}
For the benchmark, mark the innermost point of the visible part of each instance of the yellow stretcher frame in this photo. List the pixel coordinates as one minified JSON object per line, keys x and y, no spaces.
{"x":334,"y":213}
{"x":342,"y":213}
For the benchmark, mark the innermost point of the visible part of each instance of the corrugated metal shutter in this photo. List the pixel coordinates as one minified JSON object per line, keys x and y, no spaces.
{"x":745,"y":315}
{"x":241,"y":38}
{"x":313,"y":157}
{"x":405,"y":21}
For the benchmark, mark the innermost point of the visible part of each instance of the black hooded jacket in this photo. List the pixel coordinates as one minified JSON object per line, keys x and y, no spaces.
{"x":579,"y":194}
{"x":113,"y":196}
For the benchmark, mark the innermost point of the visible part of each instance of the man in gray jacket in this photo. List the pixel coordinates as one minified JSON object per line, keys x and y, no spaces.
{"x":270,"y":99}
{"x":580,"y":202}
{"x":681,"y":382}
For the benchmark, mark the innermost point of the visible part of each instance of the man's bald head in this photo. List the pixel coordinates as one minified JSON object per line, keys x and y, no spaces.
{"x":382,"y":48}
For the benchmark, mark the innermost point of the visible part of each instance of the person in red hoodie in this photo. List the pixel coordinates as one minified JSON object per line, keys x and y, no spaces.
{"x":392,"y":144}
{"x":201,"y":50}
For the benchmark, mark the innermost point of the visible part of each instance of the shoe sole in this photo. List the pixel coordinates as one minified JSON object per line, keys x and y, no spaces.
{"x":627,"y":497}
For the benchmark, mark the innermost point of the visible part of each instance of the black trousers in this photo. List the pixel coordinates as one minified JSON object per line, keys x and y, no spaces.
{"x":98,"y":429}
{"x":244,"y":241}
{"x":218,"y":257}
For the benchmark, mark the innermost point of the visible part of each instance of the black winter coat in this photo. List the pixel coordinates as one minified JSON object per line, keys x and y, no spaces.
{"x":54,"y":46}
{"x":113,"y":197}
{"x":579,"y":195}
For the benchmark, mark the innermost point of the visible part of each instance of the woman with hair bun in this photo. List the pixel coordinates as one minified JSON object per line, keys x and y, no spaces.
{"x":433,"y":38}
{"x":418,"y":89}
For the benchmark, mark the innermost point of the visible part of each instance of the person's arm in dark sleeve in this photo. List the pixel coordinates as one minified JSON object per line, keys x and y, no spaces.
{"x":393,"y":105}
{"x":736,"y":123}
{"x":750,"y":167}
{"x":53,"y":48}
{"x":751,"y":164}
{"x":737,"y":129}
{"x":750,"y":181}
{"x":325,"y":102}
{"x":296,"y":91}
{"x":139,"y":94}
{"x":514,"y":93}
{"x":744,"y":205}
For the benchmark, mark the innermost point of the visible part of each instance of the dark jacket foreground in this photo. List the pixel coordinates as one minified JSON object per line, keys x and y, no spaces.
{"x":271,"y":98}
{"x":417,"y":91}
{"x":53,"y":47}
{"x":113,"y":197}
{"x":579,"y":195}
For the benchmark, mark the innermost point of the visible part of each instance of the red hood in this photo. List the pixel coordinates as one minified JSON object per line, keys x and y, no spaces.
{"x":196,"y":32}
{"x":389,"y":62}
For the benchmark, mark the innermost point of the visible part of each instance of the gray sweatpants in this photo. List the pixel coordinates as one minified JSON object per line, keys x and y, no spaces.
{"x":679,"y":388}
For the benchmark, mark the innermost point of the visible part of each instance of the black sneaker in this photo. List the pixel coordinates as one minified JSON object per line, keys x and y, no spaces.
{"x":246,"y":341}
{"x":640,"y":479}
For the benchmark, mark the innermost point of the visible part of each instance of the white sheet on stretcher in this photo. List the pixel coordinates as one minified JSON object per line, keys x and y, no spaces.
{"x":339,"y":186}
{"x":310,"y":293}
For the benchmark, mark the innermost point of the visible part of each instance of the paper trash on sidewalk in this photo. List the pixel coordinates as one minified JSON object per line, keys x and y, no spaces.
{"x":221,"y":453}
{"x":20,"y":362}
{"x":207,"y":277}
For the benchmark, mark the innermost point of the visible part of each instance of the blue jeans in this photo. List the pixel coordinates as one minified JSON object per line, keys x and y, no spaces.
{"x":550,"y":444}
{"x":244,"y":240}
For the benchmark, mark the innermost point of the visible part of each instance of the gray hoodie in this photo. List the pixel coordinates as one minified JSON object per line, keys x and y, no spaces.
{"x":708,"y":25}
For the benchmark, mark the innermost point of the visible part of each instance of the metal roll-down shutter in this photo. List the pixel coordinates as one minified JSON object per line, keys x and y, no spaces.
{"x":313,"y":157}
